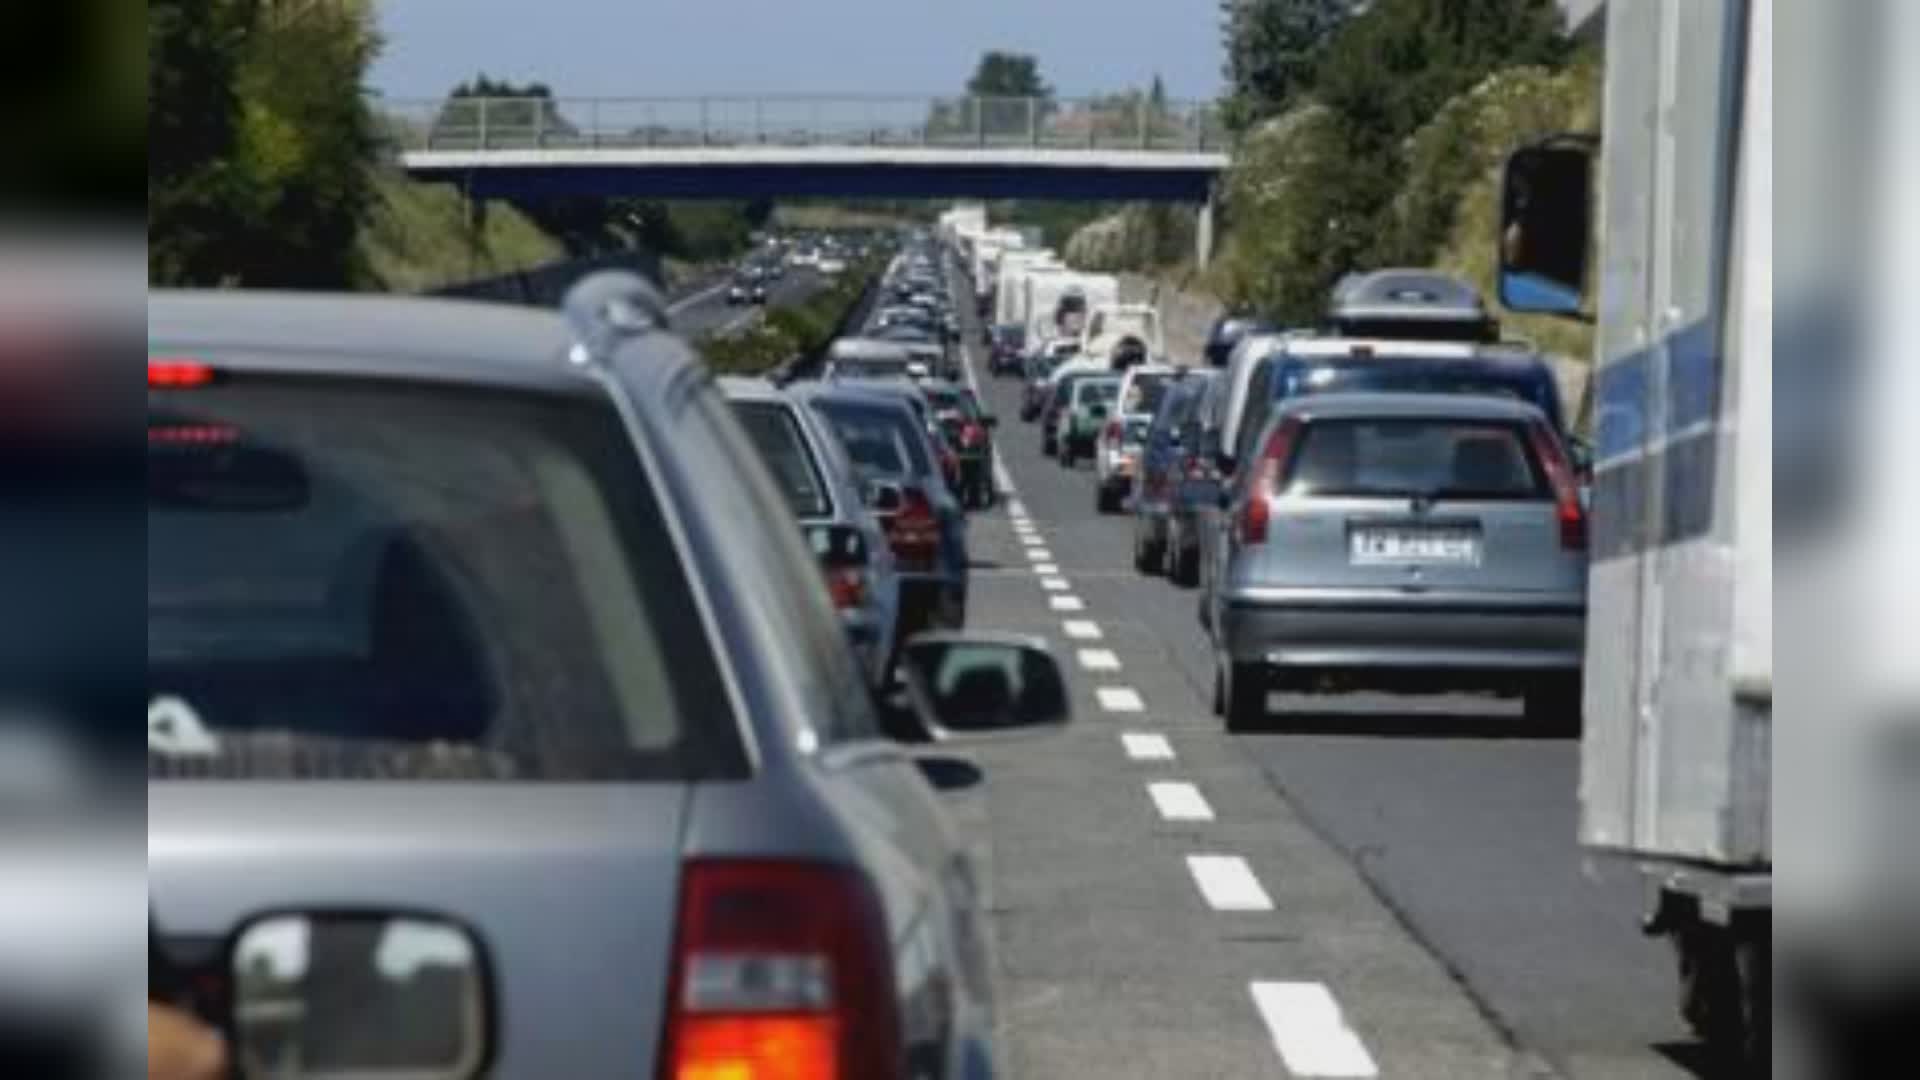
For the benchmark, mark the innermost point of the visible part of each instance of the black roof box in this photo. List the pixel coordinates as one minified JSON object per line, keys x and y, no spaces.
{"x":1423,"y":305}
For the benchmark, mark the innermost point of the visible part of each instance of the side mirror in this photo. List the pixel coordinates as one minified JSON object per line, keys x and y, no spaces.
{"x":979,"y":684}
{"x":361,"y":994}
{"x":1546,"y":226}
{"x":885,"y":496}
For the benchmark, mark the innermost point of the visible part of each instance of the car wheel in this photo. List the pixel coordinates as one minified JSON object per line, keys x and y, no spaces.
{"x":1147,"y":554}
{"x":1555,"y":705}
{"x":1244,"y":696}
{"x":1184,"y":562}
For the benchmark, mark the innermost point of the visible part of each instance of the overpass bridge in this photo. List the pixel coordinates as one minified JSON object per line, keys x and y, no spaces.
{"x":1126,"y":148}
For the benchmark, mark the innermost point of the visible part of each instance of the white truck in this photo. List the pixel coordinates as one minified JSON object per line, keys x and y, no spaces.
{"x":1058,"y":303}
{"x":1676,"y":766}
{"x":1109,"y":324}
{"x":1010,"y":284}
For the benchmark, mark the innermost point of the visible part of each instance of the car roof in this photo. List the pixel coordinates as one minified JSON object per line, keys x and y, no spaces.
{"x":1407,"y":405}
{"x":868,"y":348}
{"x":749,"y":388}
{"x":1317,"y":348}
{"x":378,"y":335}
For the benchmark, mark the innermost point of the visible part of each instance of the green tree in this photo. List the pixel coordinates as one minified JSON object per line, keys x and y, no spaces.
{"x":193,"y":122}
{"x":1006,"y":74}
{"x":1273,"y":51}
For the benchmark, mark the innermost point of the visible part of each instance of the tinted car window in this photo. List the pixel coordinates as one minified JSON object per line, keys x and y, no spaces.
{"x":777,"y":436}
{"x":350,"y":579}
{"x":1094,"y":391}
{"x":1423,"y":376}
{"x":1399,"y":457}
{"x":1145,"y":393}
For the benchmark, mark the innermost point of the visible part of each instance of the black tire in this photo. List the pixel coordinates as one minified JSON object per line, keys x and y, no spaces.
{"x":1244,"y":697}
{"x":1147,"y":555}
{"x":1554,"y":705}
{"x":1104,"y":501}
{"x":1186,"y":567}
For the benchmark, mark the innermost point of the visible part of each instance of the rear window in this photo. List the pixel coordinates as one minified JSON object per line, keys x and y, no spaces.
{"x":1442,"y":458}
{"x":1094,"y":392}
{"x":1423,"y":377}
{"x":777,"y":436}
{"x":878,"y":438}
{"x":1144,"y":395}
{"x":359,"y":580}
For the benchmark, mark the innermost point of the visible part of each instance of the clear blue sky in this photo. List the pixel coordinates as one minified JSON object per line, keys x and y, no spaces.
{"x":586,"y":48}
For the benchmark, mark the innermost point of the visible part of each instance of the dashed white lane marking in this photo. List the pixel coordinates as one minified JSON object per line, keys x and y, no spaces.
{"x":1178,"y":800}
{"x":1045,"y":568}
{"x":1228,"y":884}
{"x":1039,"y":555}
{"x":1145,"y":746}
{"x":1054,"y":584}
{"x":1120,"y":699}
{"x":1066,"y":603}
{"x":1082,"y":629}
{"x":1099,"y":660}
{"x":1309,"y":1030}
{"x":1016,"y":508}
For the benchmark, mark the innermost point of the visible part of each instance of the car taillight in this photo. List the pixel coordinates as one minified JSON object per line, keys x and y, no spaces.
{"x":1114,"y":431}
{"x":914,"y":531}
{"x":178,"y":374}
{"x":1566,"y":491}
{"x":847,"y":585}
{"x":783,"y":970}
{"x":972,"y":435}
{"x":1196,"y":469}
{"x":1264,"y":482}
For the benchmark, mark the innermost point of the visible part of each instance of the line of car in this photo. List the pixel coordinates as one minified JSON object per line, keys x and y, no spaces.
{"x":500,"y":720}
{"x":1392,"y":501}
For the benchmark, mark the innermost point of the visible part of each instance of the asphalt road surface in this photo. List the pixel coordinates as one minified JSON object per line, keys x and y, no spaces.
{"x":706,"y":310}
{"x":1396,"y":891}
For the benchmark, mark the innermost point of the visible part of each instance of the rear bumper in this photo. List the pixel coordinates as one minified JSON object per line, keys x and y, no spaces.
{"x":1350,"y":628}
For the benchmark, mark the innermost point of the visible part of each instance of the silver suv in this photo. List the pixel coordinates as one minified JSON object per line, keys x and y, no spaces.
{"x":1410,"y":542}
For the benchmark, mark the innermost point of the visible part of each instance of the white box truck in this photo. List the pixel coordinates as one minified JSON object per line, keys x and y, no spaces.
{"x":1058,"y":302}
{"x":1676,"y":765}
{"x":1010,"y":289}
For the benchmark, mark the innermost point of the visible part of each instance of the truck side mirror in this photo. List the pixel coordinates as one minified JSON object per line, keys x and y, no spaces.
{"x":1546,"y":226}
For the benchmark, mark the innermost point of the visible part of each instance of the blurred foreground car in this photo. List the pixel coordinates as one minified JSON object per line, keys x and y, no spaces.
{"x":454,"y":609}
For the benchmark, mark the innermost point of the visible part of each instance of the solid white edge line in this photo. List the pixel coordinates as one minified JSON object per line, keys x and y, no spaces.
{"x":1310,"y":1031}
{"x":1099,"y":660}
{"x":1119,"y":699}
{"x":1227,"y":883}
{"x":1178,"y":800}
{"x":1066,"y":603}
{"x":1146,"y":746}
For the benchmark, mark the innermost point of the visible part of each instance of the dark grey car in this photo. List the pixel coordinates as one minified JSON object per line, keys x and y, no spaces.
{"x":450,"y":610}
{"x":1406,"y":542}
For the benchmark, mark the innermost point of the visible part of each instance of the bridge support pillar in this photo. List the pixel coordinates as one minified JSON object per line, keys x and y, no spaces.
{"x":1203,"y":232}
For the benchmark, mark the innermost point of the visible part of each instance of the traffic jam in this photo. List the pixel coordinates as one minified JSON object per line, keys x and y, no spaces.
{"x":527,"y":700}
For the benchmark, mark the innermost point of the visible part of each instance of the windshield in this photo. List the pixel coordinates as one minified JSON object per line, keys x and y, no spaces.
{"x":879,"y":438}
{"x":777,"y":436}
{"x":351,"y":580}
{"x":1457,"y":459}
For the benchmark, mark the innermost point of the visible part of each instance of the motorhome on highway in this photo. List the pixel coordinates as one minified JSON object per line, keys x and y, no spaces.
{"x":1676,"y":769}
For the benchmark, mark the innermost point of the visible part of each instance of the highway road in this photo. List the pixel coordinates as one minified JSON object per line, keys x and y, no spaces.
{"x":1395,"y":890}
{"x":706,"y":309}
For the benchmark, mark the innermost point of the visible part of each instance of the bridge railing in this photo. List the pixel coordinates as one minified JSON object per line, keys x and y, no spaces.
{"x":1130,"y":122}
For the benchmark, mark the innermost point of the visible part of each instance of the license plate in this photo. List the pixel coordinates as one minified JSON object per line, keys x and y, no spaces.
{"x":1450,"y":546}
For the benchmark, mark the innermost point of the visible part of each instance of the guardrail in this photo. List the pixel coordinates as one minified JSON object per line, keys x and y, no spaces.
{"x":490,"y":123}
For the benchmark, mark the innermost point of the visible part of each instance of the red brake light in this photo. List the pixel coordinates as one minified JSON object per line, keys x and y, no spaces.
{"x":1114,"y":431}
{"x":781,"y":970}
{"x":914,"y":531}
{"x":1566,"y":491}
{"x":1264,"y":481}
{"x":972,"y":435}
{"x":848,"y":586}
{"x":177,"y":374}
